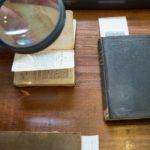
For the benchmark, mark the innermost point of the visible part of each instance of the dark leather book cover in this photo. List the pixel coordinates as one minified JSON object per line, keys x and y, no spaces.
{"x":39,"y":141}
{"x":106,"y":4}
{"x":125,"y":62}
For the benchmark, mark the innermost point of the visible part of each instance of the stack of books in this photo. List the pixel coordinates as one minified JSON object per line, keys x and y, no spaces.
{"x":54,"y":66}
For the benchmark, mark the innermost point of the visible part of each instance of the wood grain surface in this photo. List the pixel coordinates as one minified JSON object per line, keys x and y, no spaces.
{"x":74,"y":109}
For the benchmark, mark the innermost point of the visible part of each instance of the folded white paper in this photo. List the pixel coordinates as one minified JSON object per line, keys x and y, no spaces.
{"x":113,"y":26}
{"x":90,"y":142}
{"x":44,"y":61}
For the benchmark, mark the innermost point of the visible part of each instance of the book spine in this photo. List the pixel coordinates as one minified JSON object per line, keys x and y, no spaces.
{"x":103,"y":79}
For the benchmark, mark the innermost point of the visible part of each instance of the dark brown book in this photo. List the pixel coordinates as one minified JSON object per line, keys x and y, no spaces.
{"x":106,"y":4}
{"x":39,"y":141}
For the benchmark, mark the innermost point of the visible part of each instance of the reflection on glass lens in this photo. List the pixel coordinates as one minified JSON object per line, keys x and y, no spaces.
{"x":25,"y":23}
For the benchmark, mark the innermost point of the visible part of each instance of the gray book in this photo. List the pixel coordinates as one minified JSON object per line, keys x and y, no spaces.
{"x":125,"y":63}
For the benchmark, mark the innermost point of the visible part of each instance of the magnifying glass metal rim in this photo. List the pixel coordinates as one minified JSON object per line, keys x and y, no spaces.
{"x":47,"y":41}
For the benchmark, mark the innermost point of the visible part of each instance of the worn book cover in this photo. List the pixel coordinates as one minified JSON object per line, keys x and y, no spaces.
{"x":39,"y":141}
{"x":125,"y":63}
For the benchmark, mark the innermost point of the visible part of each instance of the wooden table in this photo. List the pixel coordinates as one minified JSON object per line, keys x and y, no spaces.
{"x":79,"y":108}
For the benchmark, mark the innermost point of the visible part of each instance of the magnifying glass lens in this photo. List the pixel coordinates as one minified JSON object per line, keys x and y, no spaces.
{"x":25,"y":23}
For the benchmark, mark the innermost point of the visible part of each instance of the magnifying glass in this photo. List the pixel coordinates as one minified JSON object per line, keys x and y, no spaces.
{"x":29,"y":26}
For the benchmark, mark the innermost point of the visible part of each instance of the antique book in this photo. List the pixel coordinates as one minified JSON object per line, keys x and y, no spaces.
{"x":39,"y":141}
{"x":47,"y":141}
{"x":106,"y":4}
{"x":54,"y":66}
{"x":125,"y":63}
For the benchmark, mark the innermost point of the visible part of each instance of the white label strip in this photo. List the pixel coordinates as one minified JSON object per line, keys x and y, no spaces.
{"x":113,"y":26}
{"x":44,"y":61}
{"x":90,"y":142}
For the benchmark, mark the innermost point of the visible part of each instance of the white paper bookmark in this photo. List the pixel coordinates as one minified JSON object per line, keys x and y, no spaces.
{"x":113,"y":26}
{"x":57,"y":59}
{"x":90,"y":142}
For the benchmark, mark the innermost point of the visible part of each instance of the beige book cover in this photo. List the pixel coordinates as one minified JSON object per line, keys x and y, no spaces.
{"x":66,"y":40}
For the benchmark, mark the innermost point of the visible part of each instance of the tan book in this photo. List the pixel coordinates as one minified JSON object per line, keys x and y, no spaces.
{"x":39,"y":141}
{"x":59,"y":71}
{"x":47,"y":141}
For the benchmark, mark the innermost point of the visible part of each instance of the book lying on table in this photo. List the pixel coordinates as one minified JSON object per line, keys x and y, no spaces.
{"x":54,"y":66}
{"x":47,"y":141}
{"x":126,"y":76}
{"x":125,"y":71}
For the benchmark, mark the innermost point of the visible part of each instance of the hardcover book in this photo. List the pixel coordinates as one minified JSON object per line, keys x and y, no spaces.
{"x":39,"y":141}
{"x":54,"y":66}
{"x":106,"y":4}
{"x":125,"y":63}
{"x":47,"y":141}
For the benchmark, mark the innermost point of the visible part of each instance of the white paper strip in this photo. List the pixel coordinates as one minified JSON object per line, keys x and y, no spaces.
{"x":44,"y":61}
{"x":90,"y":142}
{"x":113,"y":26}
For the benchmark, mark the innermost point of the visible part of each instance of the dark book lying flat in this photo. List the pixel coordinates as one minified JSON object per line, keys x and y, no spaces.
{"x":106,"y":4}
{"x":125,"y":77}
